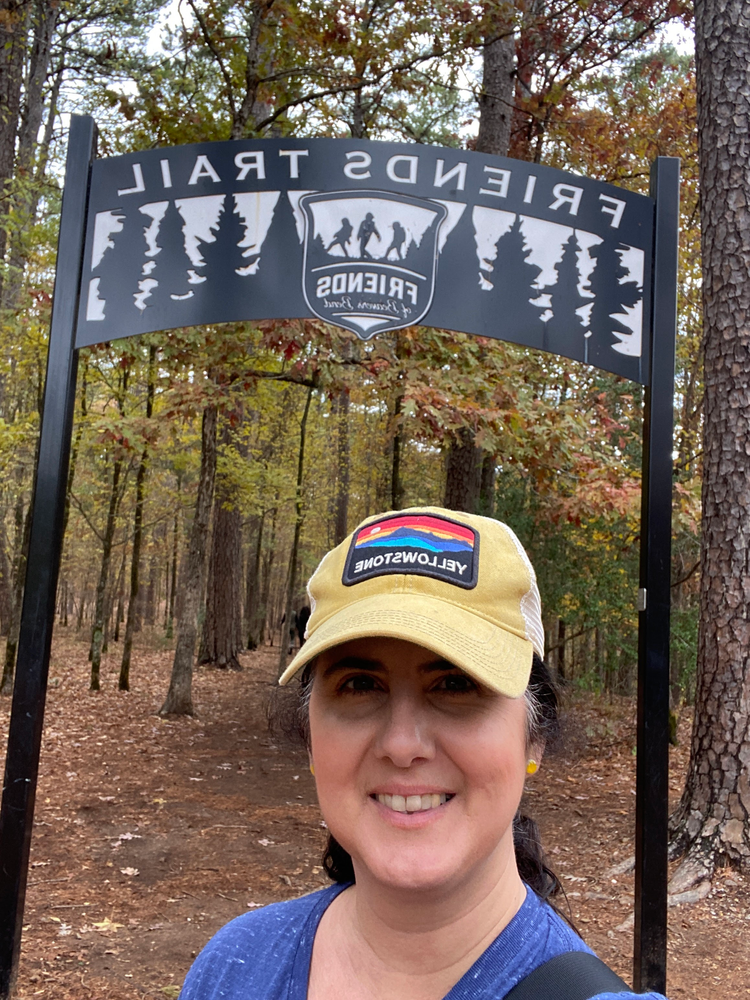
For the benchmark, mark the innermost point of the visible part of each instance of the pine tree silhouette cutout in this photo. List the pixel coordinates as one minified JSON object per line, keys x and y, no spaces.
{"x":411,"y":252}
{"x":222,"y":257}
{"x":514,"y":280}
{"x":564,"y":331}
{"x":172,"y":263}
{"x":120,"y":270}
{"x":612,"y":296}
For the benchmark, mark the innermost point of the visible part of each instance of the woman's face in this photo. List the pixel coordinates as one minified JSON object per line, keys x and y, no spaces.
{"x":419,"y":768}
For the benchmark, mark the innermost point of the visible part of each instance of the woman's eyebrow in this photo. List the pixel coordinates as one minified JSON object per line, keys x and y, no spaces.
{"x":354,"y":663}
{"x":438,"y":666}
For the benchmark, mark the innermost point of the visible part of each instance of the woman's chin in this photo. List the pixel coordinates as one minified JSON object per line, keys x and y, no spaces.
{"x":409,"y":871}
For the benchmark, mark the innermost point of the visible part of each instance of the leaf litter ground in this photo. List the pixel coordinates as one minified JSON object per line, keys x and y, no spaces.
{"x":150,"y":834}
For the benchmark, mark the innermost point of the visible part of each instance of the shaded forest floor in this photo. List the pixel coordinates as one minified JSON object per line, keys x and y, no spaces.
{"x":150,"y":834}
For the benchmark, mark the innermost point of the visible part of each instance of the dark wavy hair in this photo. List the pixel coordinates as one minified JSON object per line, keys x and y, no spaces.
{"x":292,"y":720}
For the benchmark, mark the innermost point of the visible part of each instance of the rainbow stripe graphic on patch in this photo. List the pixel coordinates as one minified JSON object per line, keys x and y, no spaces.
{"x":421,"y":544}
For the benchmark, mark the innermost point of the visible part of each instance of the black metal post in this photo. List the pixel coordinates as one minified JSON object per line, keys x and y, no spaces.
{"x":652,"y":767}
{"x":37,"y":617}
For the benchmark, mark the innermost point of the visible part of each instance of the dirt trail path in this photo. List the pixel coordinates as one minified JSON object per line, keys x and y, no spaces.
{"x":151,"y":834}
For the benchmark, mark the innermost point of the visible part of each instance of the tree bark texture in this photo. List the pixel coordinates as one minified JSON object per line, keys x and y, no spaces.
{"x":13,"y":21}
{"x":712,"y":821}
{"x":221,"y":640}
{"x":463,"y":474}
{"x":179,"y":700}
{"x":496,"y":97}
{"x":25,"y":202}
{"x":464,"y":461}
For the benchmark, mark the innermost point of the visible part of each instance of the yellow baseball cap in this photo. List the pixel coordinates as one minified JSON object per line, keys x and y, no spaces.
{"x":458,"y":584}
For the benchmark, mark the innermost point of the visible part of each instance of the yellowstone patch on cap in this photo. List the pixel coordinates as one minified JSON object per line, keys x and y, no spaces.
{"x":421,"y":544}
{"x":458,"y":584}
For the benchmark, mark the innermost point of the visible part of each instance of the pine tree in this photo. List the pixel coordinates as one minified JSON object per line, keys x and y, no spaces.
{"x":514,"y":280}
{"x":612,"y":295}
{"x":121,"y":269}
{"x":172,"y":266}
{"x":222,"y":258}
{"x":564,"y":331}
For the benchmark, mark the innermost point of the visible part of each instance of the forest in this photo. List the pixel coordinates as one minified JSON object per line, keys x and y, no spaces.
{"x":310,"y":430}
{"x":211,"y":467}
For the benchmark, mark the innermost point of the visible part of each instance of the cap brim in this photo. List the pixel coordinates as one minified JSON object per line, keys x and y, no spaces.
{"x":496,"y":657}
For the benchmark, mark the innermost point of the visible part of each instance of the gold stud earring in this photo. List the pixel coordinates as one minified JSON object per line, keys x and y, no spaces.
{"x":312,"y":770}
{"x":532,"y":767}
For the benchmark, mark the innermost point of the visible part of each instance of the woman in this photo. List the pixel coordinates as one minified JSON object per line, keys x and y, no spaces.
{"x":425,"y":704}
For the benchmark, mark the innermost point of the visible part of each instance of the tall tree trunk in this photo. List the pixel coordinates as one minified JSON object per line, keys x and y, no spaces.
{"x":397,"y":444}
{"x":712,"y":823}
{"x":13,"y":32}
{"x":341,"y":414}
{"x":123,"y":682}
{"x":19,"y":578}
{"x":486,"y":500}
{"x":298,"y":519}
{"x":26,"y":200}
{"x":100,"y":604}
{"x":75,"y":447}
{"x":265,"y":599}
{"x":463,"y":474}
{"x":496,"y":97}
{"x":173,"y":573}
{"x":464,"y":461}
{"x":253,"y":587}
{"x":179,"y":700}
{"x":6,"y":584}
{"x":119,"y":589}
{"x":221,"y":639}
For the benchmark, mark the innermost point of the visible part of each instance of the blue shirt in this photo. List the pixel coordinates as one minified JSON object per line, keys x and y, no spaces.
{"x":266,"y":954}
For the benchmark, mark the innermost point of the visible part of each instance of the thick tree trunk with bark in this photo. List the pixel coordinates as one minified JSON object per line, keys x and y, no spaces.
{"x":496,"y":97}
{"x":179,"y":700}
{"x":465,"y":475}
{"x":712,"y":822}
{"x":221,"y":640}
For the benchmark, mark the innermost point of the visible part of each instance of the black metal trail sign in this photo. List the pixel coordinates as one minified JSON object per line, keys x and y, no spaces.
{"x":370,"y":237}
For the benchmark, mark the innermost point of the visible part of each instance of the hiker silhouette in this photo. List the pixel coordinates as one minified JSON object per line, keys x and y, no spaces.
{"x":341,"y":238}
{"x":366,"y":230}
{"x":399,"y":235}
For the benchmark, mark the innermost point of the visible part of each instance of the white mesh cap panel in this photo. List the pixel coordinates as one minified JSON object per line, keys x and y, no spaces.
{"x":531,"y":602}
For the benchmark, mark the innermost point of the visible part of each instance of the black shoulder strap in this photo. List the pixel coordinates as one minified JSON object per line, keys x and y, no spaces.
{"x":574,"y":975}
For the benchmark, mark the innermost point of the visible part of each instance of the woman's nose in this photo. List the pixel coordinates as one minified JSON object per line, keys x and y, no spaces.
{"x":405,"y":736}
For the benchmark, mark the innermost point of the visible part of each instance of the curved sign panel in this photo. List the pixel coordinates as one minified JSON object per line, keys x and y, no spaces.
{"x":371,"y":237}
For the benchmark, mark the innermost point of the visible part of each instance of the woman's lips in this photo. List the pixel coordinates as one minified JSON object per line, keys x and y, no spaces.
{"x":413,"y":803}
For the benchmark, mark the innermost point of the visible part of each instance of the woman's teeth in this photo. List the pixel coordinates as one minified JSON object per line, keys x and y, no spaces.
{"x":412,"y":803}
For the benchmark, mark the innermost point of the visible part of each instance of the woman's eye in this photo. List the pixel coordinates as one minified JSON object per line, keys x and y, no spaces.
{"x":359,"y":684}
{"x":456,"y":684}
